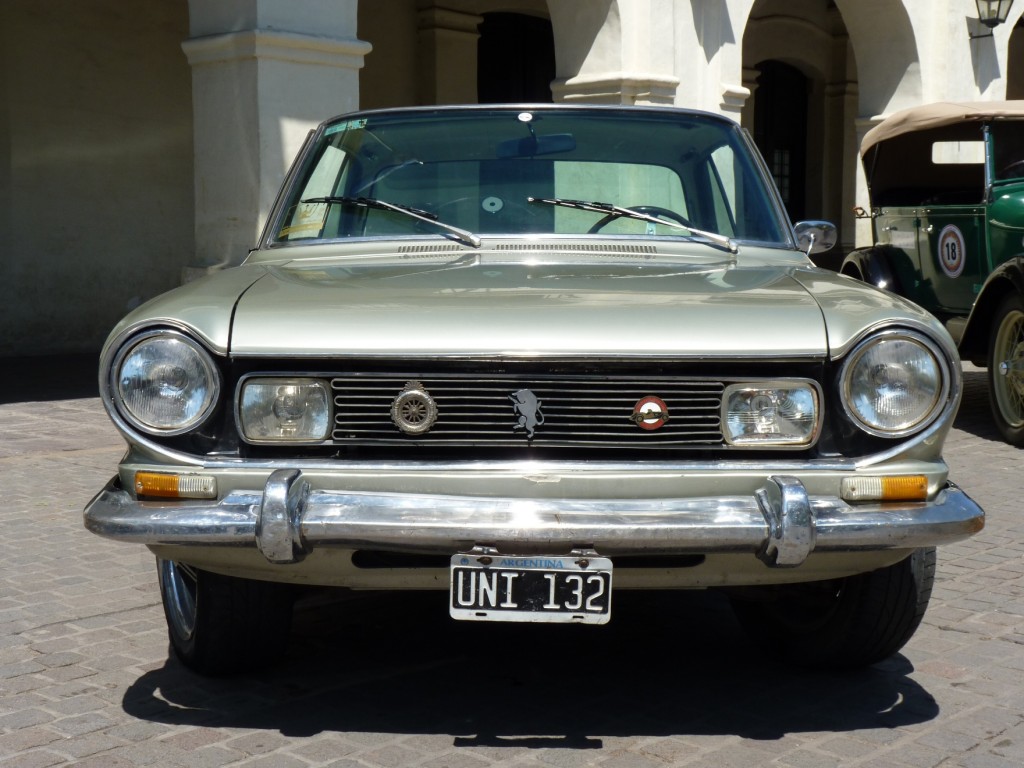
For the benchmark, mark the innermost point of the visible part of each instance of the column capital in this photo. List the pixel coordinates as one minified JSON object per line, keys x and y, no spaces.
{"x":278,"y":46}
{"x":734,"y":97}
{"x":447,"y":19}
{"x":617,"y":88}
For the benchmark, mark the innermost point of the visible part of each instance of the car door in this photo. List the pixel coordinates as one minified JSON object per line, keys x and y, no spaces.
{"x":952,"y":249}
{"x":952,"y":226}
{"x":897,"y":226}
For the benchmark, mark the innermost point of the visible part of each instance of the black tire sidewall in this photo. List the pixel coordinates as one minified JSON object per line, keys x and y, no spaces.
{"x":873,"y":615}
{"x":231,"y":615}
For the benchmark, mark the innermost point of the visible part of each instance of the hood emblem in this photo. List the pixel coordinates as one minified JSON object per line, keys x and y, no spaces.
{"x":414,"y":410}
{"x":650,"y":413}
{"x":527,"y":408}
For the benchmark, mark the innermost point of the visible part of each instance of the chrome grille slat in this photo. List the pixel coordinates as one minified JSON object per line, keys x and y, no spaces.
{"x":579,"y":410}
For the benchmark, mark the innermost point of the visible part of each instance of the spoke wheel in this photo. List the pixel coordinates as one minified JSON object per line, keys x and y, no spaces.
{"x":220,"y":625}
{"x":1006,"y":369}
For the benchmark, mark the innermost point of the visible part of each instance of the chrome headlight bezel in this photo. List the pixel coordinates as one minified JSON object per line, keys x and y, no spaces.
{"x":927,"y":415}
{"x":207,"y":386}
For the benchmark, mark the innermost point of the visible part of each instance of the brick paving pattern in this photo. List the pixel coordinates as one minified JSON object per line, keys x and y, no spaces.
{"x":85,"y":677}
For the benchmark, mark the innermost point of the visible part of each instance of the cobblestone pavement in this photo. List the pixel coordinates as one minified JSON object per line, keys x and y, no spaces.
{"x":85,"y":677}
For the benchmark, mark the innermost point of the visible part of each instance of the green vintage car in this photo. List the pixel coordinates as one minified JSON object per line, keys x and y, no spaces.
{"x":533,"y":356}
{"x":947,"y":211}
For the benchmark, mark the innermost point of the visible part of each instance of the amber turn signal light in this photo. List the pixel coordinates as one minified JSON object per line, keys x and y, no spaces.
{"x":163,"y":485}
{"x":886,"y":488}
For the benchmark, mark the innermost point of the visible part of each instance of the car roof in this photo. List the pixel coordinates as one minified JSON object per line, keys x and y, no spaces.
{"x":940,"y":114}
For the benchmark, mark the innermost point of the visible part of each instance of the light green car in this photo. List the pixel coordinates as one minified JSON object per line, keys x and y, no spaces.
{"x":533,"y":356}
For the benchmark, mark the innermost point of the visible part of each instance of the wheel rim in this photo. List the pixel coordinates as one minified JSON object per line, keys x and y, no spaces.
{"x":178,"y":585}
{"x":1008,"y":368}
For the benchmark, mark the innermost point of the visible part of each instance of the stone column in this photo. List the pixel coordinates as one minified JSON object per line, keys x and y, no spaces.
{"x":750,"y":77}
{"x":447,"y":56}
{"x":611,"y":52}
{"x":863,"y":235}
{"x":263,"y":75}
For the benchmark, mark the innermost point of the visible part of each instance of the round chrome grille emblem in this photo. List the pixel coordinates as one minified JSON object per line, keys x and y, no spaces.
{"x":414,"y":410}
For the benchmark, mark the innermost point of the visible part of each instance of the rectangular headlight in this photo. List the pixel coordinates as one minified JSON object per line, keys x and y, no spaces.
{"x":770,"y":413}
{"x":272,"y":410}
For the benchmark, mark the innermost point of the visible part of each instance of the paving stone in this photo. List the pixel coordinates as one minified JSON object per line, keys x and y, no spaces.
{"x":38,"y":758}
{"x":85,"y":677}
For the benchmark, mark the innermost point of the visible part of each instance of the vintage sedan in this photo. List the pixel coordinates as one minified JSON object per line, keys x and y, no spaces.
{"x":947,"y":213}
{"x":533,"y":356}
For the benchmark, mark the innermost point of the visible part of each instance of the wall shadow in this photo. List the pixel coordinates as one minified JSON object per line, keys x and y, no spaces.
{"x":50,"y":377}
{"x":668,"y":664}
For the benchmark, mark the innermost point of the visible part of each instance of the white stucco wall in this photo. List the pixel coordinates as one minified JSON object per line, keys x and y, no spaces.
{"x":264,"y":73}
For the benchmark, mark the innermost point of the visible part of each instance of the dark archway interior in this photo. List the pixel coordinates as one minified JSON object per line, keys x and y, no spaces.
{"x":780,"y":130}
{"x":515,"y":59}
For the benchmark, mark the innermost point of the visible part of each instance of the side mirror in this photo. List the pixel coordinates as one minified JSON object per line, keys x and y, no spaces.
{"x":815,"y":236}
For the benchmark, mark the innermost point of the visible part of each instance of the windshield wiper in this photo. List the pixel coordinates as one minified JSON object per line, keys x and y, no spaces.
{"x":712,"y":238}
{"x":463,"y":235}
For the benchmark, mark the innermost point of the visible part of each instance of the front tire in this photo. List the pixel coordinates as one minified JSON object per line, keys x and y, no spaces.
{"x":220,"y":625}
{"x":1006,"y":369}
{"x":842,"y":623}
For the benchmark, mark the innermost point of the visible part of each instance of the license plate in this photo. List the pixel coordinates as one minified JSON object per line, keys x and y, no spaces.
{"x":554,"y":589}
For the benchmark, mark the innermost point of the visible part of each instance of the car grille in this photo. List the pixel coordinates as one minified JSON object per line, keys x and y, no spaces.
{"x":573,"y":411}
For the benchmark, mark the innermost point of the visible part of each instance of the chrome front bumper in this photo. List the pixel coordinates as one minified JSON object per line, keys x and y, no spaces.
{"x":780,"y":523}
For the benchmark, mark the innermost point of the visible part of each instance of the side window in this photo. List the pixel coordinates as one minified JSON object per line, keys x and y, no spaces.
{"x":959,"y":170}
{"x":1009,"y":151}
{"x":312,"y":220}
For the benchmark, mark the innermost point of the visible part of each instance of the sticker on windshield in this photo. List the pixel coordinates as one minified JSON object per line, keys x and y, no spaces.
{"x":308,"y":221}
{"x":952,"y":250}
{"x":348,"y":125}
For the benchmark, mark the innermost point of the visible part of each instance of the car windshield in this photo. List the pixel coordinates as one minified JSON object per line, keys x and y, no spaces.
{"x":468,"y":173}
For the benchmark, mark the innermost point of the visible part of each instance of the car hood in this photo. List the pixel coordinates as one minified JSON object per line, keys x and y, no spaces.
{"x":480,"y":308}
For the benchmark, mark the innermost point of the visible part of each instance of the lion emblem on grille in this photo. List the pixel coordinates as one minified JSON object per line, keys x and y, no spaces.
{"x":528,"y":412}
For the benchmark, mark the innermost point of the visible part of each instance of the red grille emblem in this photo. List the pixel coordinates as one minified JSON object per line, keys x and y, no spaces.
{"x":650,"y":413}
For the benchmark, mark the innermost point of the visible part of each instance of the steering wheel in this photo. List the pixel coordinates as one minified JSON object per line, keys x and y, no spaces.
{"x":1016,"y":168}
{"x":650,"y":210}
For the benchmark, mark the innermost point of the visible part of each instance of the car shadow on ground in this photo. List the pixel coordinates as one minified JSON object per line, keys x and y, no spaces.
{"x":668,"y":664}
{"x":975,"y":415}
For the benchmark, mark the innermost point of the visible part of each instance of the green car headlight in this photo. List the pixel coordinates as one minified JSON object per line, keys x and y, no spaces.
{"x":771,"y":413}
{"x":164,"y":383}
{"x":277,"y":410}
{"x":894,"y":384}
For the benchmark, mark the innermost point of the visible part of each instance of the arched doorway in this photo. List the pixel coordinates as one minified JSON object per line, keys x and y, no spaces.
{"x":1015,"y":62}
{"x":799,"y":63}
{"x":780,"y":130}
{"x":515,"y":59}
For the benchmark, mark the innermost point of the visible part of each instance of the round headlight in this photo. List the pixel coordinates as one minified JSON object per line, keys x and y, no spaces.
{"x":894,"y":385}
{"x":165,"y":383}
